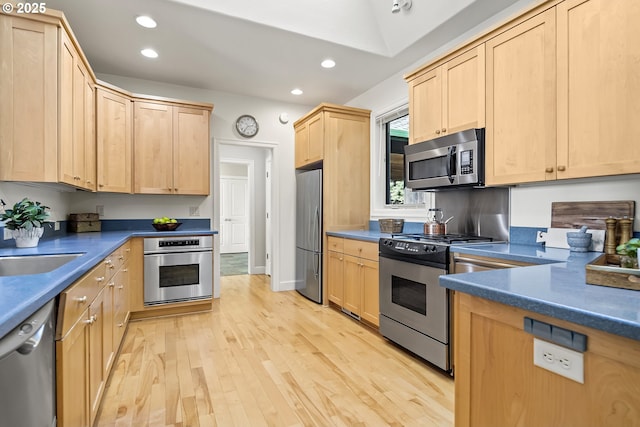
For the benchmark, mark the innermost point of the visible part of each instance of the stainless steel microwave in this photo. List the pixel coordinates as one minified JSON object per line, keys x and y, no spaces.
{"x":449,"y":161}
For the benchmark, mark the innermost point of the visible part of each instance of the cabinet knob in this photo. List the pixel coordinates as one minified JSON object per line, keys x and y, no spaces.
{"x":444,"y":130}
{"x":121,"y":287}
{"x":548,"y":170}
{"x":91,"y":320}
{"x":120,"y":325}
{"x":100,"y":279}
{"x":100,"y":185}
{"x":561,"y":168}
{"x":437,"y":131}
{"x":81,"y":299}
{"x":111,"y":285}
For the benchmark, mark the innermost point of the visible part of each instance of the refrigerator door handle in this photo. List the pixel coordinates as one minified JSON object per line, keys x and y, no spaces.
{"x":316,"y":265}
{"x":316,"y":230}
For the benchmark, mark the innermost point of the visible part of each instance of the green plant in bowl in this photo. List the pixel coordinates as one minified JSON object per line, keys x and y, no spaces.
{"x":629,"y":253}
{"x":26,"y":220}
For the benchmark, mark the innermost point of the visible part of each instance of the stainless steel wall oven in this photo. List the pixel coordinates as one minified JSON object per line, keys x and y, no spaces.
{"x":177,"y":269}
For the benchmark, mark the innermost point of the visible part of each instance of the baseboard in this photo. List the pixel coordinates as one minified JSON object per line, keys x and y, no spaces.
{"x":286,"y":286}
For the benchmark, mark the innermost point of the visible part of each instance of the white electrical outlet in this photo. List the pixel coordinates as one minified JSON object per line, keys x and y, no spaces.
{"x":100,"y":210}
{"x":559,"y":360}
{"x":194,"y":211}
{"x":56,"y":226}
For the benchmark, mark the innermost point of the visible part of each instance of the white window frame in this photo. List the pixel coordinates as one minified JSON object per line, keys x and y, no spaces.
{"x":379,"y":207}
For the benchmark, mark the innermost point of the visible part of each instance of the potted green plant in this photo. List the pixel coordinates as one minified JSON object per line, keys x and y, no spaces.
{"x":26,"y":221}
{"x":629,"y":253}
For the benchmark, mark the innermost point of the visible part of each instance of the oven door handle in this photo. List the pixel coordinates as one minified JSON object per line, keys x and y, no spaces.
{"x":180,"y":251}
{"x":451,"y":162}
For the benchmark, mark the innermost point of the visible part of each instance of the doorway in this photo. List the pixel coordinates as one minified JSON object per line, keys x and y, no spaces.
{"x":234,"y":218}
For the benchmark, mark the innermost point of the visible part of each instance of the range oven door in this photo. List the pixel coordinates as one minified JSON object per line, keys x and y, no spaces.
{"x":414,"y":310}
{"x":177,"y":276}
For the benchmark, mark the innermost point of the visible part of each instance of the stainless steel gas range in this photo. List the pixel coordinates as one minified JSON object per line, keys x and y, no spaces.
{"x":415,"y":311}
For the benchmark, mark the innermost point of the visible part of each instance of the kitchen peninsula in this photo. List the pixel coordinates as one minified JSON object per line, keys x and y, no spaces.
{"x":497,"y":382}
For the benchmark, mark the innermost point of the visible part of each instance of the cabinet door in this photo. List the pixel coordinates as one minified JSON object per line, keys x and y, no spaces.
{"x":66,"y":101}
{"x":153,"y":148}
{"x":191,"y":151}
{"x":352,"y":284}
{"x":29,"y":106}
{"x":302,"y":145}
{"x":90,"y":136}
{"x":335,"y":281}
{"x":598,"y":88}
{"x":463,"y":98}
{"x":114,"y":141}
{"x":370,"y":291}
{"x":316,"y":138}
{"x":121,"y":305}
{"x":521,"y":102}
{"x":425,"y":106}
{"x":71,"y":375}
{"x":96,"y":357}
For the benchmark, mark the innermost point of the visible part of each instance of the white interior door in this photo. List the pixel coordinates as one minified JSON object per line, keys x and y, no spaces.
{"x":234,"y":221}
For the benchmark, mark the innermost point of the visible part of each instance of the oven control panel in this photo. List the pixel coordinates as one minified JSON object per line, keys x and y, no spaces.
{"x":174,"y":243}
{"x":410,"y":248}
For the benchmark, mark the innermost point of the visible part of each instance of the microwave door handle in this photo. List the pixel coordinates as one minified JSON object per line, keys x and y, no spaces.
{"x":451,"y":159}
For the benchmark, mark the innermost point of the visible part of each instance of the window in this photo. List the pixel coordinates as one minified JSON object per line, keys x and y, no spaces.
{"x":395,"y":128}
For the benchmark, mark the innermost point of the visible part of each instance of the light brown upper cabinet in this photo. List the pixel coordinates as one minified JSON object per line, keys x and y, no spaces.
{"x":309,"y":140}
{"x":521,"y":102}
{"x":171,"y":148}
{"x":449,"y":97}
{"x":114,"y":120}
{"x":77,"y":144}
{"x":598,"y":88}
{"x":29,"y":99}
{"x":562,"y":94}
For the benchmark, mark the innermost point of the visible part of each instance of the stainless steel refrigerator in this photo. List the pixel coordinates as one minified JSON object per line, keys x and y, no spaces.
{"x":309,"y":234}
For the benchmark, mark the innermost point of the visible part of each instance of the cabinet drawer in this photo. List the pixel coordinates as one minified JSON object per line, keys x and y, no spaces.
{"x":76,"y":298}
{"x":335,"y":244}
{"x":359,"y":248}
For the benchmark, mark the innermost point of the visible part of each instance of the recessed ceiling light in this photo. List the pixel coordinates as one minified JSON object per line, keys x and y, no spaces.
{"x":149,"y":53}
{"x":328,"y":63}
{"x":146,"y":21}
{"x":296,"y":91}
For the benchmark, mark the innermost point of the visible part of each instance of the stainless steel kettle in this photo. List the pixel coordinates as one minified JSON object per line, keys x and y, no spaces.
{"x":435,"y":223}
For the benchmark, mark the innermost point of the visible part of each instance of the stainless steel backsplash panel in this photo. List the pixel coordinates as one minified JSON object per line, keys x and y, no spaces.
{"x":480,"y":211}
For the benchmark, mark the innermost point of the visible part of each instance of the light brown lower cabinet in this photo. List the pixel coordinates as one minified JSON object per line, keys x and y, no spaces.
{"x":353,"y":282}
{"x":92,"y":317}
{"x":497,"y":384}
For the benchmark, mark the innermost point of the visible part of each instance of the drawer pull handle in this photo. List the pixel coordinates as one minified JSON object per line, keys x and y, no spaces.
{"x":91,"y":320}
{"x":121,"y":287}
{"x":111,"y":285}
{"x":81,"y":299}
{"x":100,"y":279}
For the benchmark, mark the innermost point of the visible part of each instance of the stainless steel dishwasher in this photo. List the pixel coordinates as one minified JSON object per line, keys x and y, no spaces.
{"x":27,"y":372}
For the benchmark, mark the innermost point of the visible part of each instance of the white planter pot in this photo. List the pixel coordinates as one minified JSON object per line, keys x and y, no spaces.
{"x":27,"y":238}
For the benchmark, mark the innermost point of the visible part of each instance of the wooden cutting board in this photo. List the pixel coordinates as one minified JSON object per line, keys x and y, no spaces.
{"x":591,"y":214}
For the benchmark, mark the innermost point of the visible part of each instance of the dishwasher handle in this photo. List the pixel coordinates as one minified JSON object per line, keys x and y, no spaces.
{"x":28,"y":335}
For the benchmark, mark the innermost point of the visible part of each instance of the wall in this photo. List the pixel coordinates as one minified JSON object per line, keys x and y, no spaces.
{"x":530,"y":205}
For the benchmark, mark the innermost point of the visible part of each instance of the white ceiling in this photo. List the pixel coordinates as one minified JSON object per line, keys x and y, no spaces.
{"x":265,"y":48}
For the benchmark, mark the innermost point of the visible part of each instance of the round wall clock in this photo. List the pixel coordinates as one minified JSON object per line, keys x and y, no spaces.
{"x":247,"y":126}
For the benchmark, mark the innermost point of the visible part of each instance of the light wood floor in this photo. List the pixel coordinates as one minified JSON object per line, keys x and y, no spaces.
{"x":269,"y":359}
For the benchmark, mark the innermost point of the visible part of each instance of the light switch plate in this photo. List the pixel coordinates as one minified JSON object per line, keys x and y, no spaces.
{"x":559,"y":360}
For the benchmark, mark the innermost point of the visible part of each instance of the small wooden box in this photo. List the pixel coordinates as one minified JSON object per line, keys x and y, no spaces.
{"x":84,"y":222}
{"x":599,"y":273}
